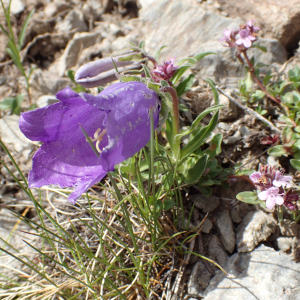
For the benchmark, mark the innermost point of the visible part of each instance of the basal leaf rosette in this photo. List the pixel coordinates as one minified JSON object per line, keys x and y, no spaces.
{"x":117,"y":121}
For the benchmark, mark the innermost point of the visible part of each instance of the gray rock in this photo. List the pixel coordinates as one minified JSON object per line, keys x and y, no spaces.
{"x":256,"y":227}
{"x":206,"y":204}
{"x":207,"y":226}
{"x":229,"y":111}
{"x":273,"y":161}
{"x":281,"y":24}
{"x":216,"y":252}
{"x":46,"y":100}
{"x":199,"y":30}
{"x":16,"y":7}
{"x":232,"y":139}
{"x":70,"y":56}
{"x":224,"y":126}
{"x":73,"y":20}
{"x":289,"y":228}
{"x":10,"y":133}
{"x":244,"y":130}
{"x":262,"y":274}
{"x":48,"y":82}
{"x":199,"y":279}
{"x":225,"y":227}
{"x":284,"y":243}
{"x":53,"y":8}
{"x":235,"y":215}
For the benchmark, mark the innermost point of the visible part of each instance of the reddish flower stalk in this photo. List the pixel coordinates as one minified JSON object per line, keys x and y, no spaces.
{"x":172,"y":92}
{"x":251,"y":70}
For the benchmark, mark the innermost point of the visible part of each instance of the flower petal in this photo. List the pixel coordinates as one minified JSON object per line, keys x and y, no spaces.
{"x":255,"y":176}
{"x":263,"y":195}
{"x":279,"y":200}
{"x":52,"y":122}
{"x":247,"y":42}
{"x":270,"y":203}
{"x":66,"y":158}
{"x":128,"y":121}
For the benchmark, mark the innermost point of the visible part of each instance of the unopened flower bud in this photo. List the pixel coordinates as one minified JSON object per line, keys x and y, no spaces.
{"x":102,"y":71}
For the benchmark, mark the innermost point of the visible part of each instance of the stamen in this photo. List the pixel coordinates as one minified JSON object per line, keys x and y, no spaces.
{"x":96,"y":133}
{"x":98,"y":136}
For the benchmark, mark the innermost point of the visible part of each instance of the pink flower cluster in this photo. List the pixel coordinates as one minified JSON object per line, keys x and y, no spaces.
{"x":165,"y":71}
{"x":272,"y":185}
{"x":242,"y":38}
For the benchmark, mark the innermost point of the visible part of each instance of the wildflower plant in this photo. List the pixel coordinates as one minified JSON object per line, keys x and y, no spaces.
{"x":283,"y":91}
{"x":86,"y":137}
{"x":14,"y":48}
{"x":273,"y":189}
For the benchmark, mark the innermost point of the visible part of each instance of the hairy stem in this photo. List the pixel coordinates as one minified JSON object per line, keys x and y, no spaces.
{"x":172,"y":92}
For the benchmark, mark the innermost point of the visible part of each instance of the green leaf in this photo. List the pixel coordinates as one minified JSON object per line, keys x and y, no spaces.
{"x":146,"y":71}
{"x":260,"y":65}
{"x":197,"y":120}
{"x":283,"y":85}
{"x":14,"y":54}
{"x":168,"y":204}
{"x":267,"y":78}
{"x":214,"y":90}
{"x":3,"y":29}
{"x":182,"y":107}
{"x":295,"y":163}
{"x":158,"y":52}
{"x":71,"y":75}
{"x":201,"y":55}
{"x":23,"y":30}
{"x":7,"y":103}
{"x":208,"y":182}
{"x":16,"y":109}
{"x":287,"y":135}
{"x":215,"y":146}
{"x":128,"y":78}
{"x":294,"y":74}
{"x":277,"y":151}
{"x":205,"y":190}
{"x":169,"y":131}
{"x":185,"y":85}
{"x":200,"y":137}
{"x":248,"y":197}
{"x":142,"y":45}
{"x":179,"y":72}
{"x":262,"y":48}
{"x":287,"y":120}
{"x":78,"y":89}
{"x":197,"y":170}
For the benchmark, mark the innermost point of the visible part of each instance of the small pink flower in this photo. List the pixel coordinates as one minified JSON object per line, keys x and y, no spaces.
{"x":255,"y":177}
{"x":245,"y":39}
{"x":272,"y":197}
{"x":229,"y":37}
{"x":251,"y":28}
{"x":282,"y":180}
{"x":165,"y":71}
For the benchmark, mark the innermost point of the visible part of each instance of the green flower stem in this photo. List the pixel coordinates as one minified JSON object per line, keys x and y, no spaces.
{"x":280,"y":213}
{"x":175,"y":117}
{"x":251,"y":69}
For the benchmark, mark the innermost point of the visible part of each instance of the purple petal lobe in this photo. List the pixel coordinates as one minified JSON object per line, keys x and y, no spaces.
{"x":270,"y":203}
{"x":128,"y":121}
